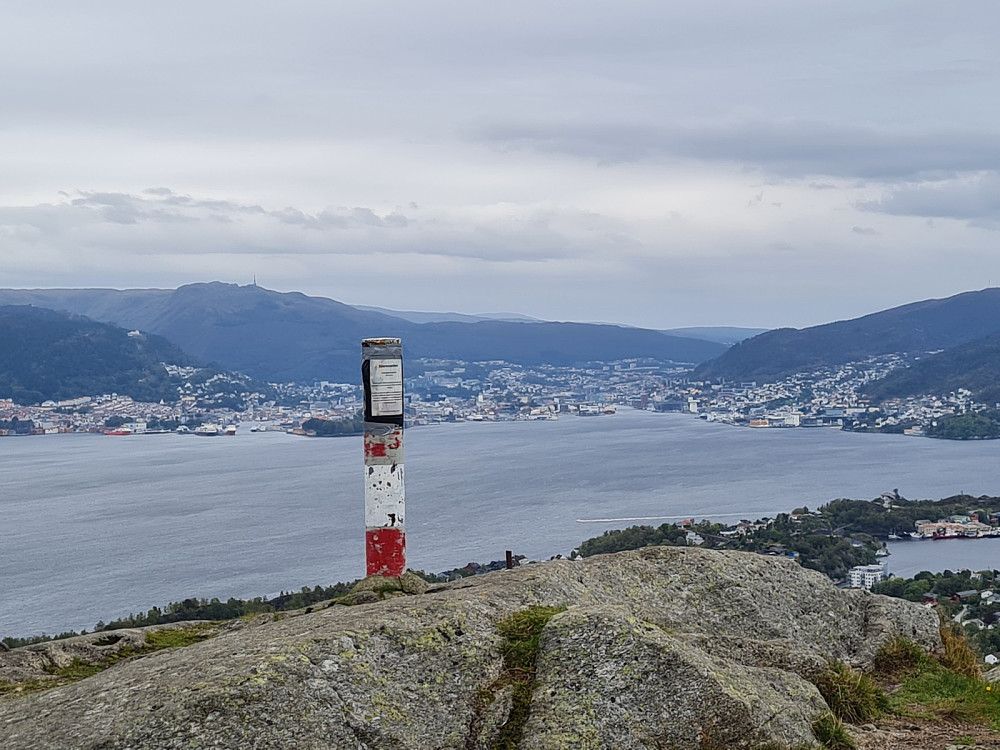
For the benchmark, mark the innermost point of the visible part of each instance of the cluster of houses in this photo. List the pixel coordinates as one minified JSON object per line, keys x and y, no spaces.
{"x":827,"y":397}
{"x":966,"y":527}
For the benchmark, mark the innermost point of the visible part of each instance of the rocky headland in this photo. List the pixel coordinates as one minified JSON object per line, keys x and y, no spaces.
{"x":656,"y":648}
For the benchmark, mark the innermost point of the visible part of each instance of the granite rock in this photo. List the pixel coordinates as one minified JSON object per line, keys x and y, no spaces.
{"x":657,"y":648}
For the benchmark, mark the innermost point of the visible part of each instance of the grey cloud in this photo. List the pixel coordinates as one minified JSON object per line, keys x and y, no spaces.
{"x":331,"y":70}
{"x":791,"y":148}
{"x":163,"y":222}
{"x":340,"y":218}
{"x":974,"y":198}
{"x":331,"y":114}
{"x":865,"y":231}
{"x":164,"y":205}
{"x":370,"y":218}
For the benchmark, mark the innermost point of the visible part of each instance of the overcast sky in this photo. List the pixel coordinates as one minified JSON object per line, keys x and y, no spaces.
{"x":657,"y":163}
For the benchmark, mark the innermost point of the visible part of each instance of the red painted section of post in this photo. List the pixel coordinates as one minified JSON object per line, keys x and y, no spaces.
{"x":385,"y":552}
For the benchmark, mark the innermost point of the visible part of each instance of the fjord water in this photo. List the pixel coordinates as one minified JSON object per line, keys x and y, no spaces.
{"x":97,"y":527}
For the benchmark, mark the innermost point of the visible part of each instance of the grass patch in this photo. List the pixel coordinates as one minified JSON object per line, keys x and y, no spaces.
{"x":179,"y":637}
{"x":156,"y":640}
{"x":852,"y":696}
{"x":945,"y":687}
{"x":938,"y":693}
{"x":521,"y":632}
{"x":76,"y":670}
{"x":23,"y":688}
{"x":830,"y":733}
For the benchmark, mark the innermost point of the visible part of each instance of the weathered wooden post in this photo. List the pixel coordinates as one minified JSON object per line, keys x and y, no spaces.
{"x":385,"y":530}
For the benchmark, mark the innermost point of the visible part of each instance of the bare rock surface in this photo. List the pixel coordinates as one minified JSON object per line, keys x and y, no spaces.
{"x":607,"y":679}
{"x":658,"y":648}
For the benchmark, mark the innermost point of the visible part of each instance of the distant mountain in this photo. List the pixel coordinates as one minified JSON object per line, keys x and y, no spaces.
{"x":269,"y":335}
{"x":918,"y":327}
{"x":974,"y":366}
{"x":289,"y":336}
{"x":447,"y":317}
{"x":51,"y":355}
{"x":726,"y":335}
{"x":552,"y":343}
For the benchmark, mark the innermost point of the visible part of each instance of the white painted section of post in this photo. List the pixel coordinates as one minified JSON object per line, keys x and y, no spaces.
{"x":384,"y":497}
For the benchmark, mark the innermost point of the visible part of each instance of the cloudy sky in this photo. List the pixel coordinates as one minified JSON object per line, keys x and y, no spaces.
{"x":654,"y":162}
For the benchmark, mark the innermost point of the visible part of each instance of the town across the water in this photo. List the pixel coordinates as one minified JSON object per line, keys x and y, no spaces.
{"x":446,"y":391}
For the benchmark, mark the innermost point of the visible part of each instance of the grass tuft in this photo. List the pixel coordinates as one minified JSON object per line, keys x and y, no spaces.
{"x":831,"y":734}
{"x":852,"y":697}
{"x":899,"y":658}
{"x":958,"y":656}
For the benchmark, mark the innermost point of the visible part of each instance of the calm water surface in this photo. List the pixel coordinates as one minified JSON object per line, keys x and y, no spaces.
{"x":906,"y":559}
{"x":97,"y":527}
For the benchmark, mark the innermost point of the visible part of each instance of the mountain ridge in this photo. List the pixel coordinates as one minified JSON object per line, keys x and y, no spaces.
{"x":283,"y":336}
{"x":917,"y":327}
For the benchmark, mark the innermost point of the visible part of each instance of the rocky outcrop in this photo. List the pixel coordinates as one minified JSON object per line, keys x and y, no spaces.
{"x":656,"y":690}
{"x":658,"y":648}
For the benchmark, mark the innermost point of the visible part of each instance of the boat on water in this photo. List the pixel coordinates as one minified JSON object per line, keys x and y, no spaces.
{"x":207,"y":430}
{"x":118,"y":431}
{"x":230,"y":429}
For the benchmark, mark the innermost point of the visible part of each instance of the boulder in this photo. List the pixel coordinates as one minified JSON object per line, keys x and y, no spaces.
{"x":661,"y":647}
{"x":606,"y":679}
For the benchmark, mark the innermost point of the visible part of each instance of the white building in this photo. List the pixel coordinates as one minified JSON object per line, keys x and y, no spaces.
{"x":865,"y":576}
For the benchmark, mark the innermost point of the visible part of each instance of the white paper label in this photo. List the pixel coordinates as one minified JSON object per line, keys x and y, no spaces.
{"x":386,"y":387}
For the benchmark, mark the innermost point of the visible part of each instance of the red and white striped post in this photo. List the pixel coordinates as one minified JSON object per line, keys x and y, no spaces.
{"x":385,"y":531}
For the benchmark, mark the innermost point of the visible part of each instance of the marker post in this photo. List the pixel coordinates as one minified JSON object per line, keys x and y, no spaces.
{"x":385,"y":530}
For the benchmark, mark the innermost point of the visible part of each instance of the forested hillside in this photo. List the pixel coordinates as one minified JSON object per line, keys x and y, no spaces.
{"x":974,"y":366}
{"x":50,"y":355}
{"x":915,"y":328}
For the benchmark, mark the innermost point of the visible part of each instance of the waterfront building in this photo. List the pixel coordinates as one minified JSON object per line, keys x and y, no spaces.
{"x":865,"y":576}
